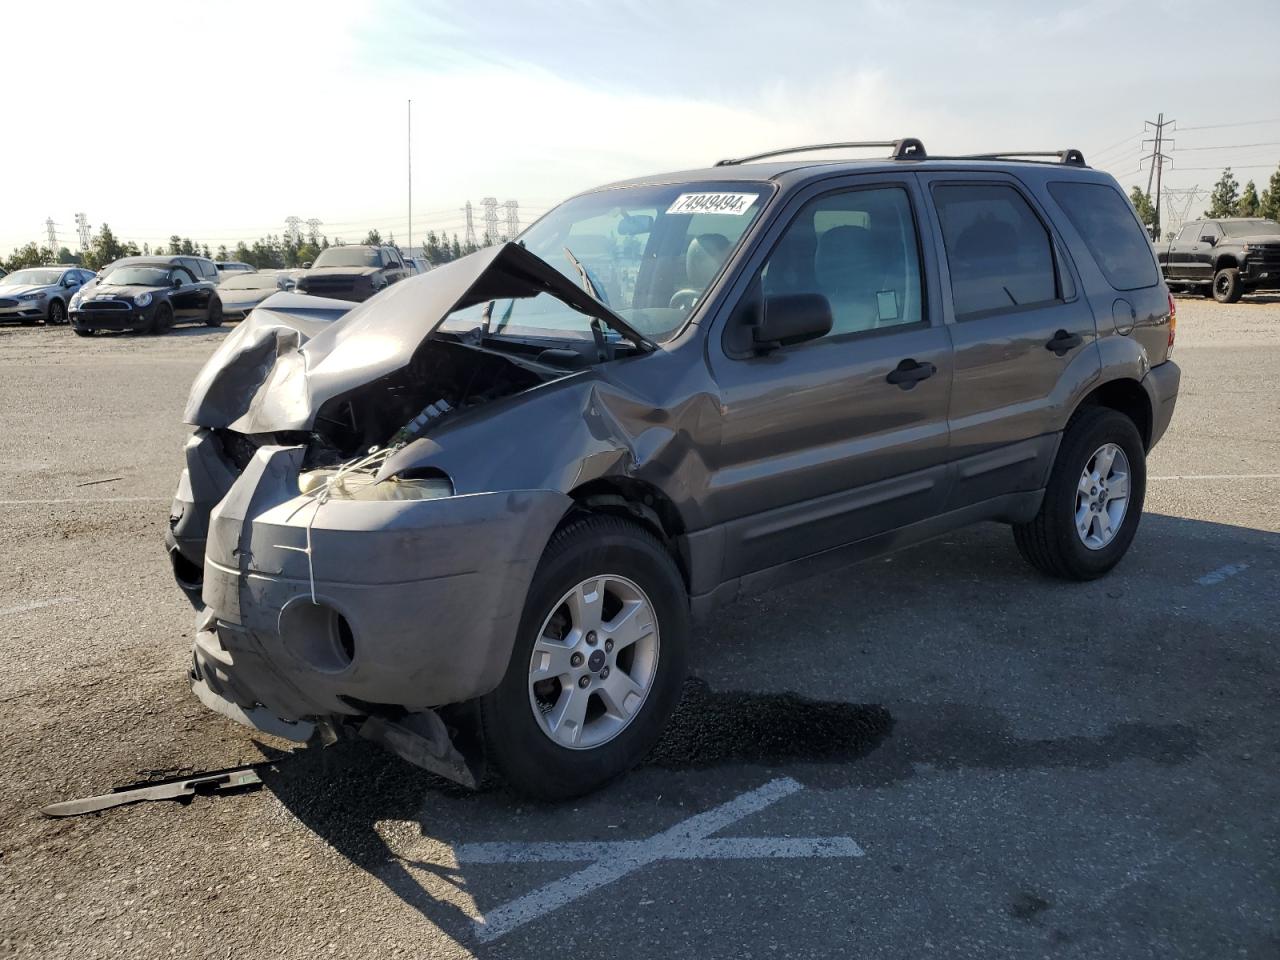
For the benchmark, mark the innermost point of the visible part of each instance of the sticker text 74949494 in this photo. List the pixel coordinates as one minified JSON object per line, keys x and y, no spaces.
{"x":734,"y":204}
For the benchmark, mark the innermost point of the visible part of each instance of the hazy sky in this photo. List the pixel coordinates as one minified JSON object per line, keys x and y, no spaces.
{"x":217,"y":121}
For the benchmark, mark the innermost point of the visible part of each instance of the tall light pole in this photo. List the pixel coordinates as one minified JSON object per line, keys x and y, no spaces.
{"x":410,"y":160}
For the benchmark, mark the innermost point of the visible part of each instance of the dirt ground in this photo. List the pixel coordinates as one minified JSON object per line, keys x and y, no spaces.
{"x":995,"y":763}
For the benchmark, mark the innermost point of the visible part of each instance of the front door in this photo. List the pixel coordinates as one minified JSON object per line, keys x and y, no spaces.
{"x":1023,"y":336}
{"x":843,"y":437}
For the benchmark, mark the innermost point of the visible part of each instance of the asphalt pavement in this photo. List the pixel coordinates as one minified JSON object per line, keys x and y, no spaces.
{"x":940,"y":753}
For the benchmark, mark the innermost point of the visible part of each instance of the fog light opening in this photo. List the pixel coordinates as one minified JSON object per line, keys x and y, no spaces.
{"x":317,"y":635}
{"x":188,"y":575}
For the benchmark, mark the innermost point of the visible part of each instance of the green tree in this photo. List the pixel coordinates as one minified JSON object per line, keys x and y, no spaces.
{"x":1225,"y":196}
{"x":1269,"y":205}
{"x":103,"y":250}
{"x":455,"y":248}
{"x":1142,"y":204}
{"x":66,"y":256}
{"x":373,"y":238}
{"x":1248,"y":205}
{"x":28,"y":256}
{"x":222,"y":251}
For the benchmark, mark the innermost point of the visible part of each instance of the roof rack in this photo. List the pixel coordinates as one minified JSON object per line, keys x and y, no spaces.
{"x":908,"y":148}
{"x":1071,"y":156}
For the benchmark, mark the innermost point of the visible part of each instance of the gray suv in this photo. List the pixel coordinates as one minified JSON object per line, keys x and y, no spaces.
{"x":474,"y":518}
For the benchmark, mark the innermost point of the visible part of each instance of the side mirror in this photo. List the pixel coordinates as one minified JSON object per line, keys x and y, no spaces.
{"x":1210,"y":240}
{"x":177,"y":282}
{"x":791,"y":318}
{"x":70,"y":282}
{"x":306,"y":264}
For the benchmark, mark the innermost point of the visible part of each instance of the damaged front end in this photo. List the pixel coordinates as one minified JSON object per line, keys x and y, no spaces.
{"x":334,"y":587}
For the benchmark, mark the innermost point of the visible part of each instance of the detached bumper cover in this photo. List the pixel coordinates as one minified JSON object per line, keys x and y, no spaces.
{"x":432,"y":592}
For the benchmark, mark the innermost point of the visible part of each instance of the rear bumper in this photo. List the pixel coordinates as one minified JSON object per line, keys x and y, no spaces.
{"x":402,"y":604}
{"x":1161,"y":384}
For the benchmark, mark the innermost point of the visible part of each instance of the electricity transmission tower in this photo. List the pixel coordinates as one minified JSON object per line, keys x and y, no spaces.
{"x":1180,"y":201}
{"x":1157,"y":157}
{"x":512,"y":207}
{"x":82,"y":228}
{"x":293,"y":228}
{"x":490,"y":205}
{"x":470,"y":236}
{"x":313,"y":229}
{"x":53,"y":236}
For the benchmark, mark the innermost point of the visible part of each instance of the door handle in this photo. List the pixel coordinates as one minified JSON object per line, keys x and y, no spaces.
{"x":908,"y":373}
{"x":1062,"y":342}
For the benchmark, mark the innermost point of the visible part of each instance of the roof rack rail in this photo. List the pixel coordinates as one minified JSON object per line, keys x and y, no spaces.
{"x":1071,"y":156}
{"x":908,"y":148}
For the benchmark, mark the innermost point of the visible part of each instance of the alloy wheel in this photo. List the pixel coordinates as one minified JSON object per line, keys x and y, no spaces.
{"x":594,"y":662}
{"x":1102,"y":496}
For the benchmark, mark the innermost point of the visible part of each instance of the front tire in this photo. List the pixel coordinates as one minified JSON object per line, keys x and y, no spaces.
{"x":162,"y":320}
{"x":597,"y":666}
{"x":1227,"y":287}
{"x":1093,"y":502}
{"x":57,"y":314}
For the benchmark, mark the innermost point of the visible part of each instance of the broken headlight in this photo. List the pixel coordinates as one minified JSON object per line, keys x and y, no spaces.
{"x":336,"y":485}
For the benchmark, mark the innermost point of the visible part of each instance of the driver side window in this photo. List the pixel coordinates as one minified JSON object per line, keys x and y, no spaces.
{"x":859,"y":250}
{"x":181,"y":273}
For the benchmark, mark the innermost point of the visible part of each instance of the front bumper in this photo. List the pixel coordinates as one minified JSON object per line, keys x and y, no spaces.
{"x":134,"y":318}
{"x":25,"y":310}
{"x":352,"y":607}
{"x":1261,"y":275}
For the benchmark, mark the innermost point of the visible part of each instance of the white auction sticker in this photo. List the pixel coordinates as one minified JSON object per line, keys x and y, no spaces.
{"x":735,"y":204}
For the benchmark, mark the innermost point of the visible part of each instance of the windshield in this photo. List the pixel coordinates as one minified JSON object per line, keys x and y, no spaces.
{"x":251,"y":281}
{"x":348,"y":257}
{"x":649,"y":253}
{"x":138,"y":277}
{"x":35,"y":278}
{"x":1249,"y":228}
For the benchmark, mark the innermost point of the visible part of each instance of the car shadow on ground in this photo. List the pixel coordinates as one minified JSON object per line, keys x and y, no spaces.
{"x":343,"y":793}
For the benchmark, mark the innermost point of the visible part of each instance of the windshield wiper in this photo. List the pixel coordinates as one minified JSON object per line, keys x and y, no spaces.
{"x":587,"y":283}
{"x":617,"y":324}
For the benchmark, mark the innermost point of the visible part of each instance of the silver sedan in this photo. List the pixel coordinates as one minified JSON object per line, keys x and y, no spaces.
{"x":40,"y":293}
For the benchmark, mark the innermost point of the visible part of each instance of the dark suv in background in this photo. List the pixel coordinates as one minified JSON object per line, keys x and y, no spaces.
{"x":504,"y":488}
{"x":353,"y":272}
{"x":1226,"y":258}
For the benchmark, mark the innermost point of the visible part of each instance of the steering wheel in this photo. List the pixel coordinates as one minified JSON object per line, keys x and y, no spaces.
{"x":684,"y":299}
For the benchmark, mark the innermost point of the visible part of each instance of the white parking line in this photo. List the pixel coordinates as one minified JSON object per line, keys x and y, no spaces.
{"x":1220,"y":476}
{"x":36,"y":605}
{"x":689,"y":840}
{"x":1222,"y":573}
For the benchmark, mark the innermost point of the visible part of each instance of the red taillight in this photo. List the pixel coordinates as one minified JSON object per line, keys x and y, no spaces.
{"x":1173,"y":321}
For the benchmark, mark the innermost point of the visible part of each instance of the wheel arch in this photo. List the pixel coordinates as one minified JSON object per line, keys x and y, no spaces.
{"x":1225,"y":261}
{"x":1128,"y":396}
{"x":637,"y":500}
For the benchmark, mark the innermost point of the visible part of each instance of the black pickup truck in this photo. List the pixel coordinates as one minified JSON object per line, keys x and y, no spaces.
{"x":1228,"y":257}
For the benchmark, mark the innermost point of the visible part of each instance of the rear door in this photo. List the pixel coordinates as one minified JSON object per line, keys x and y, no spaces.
{"x":1024,"y":339}
{"x":827,"y":442}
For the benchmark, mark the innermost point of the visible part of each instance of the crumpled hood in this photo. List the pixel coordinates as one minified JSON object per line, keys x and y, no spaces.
{"x":279,"y":368}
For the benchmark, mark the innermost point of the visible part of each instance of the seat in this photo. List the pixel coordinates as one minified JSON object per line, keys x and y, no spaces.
{"x":850,"y":268}
{"x":703,"y":259}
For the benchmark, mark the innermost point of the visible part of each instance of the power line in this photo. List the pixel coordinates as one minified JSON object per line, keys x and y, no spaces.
{"x":1237,"y":146}
{"x":1225,"y":126}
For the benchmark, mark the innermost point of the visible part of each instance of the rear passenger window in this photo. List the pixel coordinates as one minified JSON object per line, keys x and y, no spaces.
{"x":1111,"y":232}
{"x":999,"y":253}
{"x":859,"y":250}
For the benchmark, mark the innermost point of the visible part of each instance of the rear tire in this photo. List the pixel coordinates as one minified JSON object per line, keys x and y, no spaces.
{"x":1226,"y":285}
{"x":214,"y":319}
{"x":1052,"y":542}
{"x":628,"y":569}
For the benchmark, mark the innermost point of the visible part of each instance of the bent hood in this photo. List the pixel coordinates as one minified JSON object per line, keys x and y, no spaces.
{"x":279,"y":367}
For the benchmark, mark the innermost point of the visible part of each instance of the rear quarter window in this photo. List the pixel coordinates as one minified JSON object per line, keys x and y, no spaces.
{"x":1111,"y":231}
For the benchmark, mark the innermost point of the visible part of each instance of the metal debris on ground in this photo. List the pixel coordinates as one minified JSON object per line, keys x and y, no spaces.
{"x":90,"y":483}
{"x":180,"y":788}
